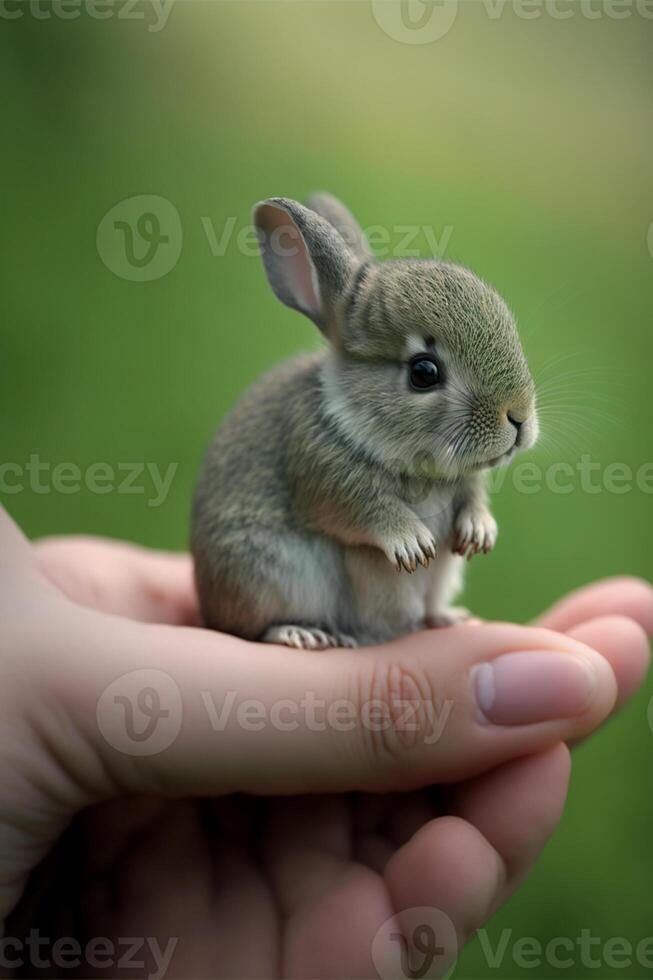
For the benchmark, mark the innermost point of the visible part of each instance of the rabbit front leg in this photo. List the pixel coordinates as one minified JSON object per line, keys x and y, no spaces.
{"x":389,"y":525}
{"x":409,"y":543}
{"x":474,"y":530}
{"x":360,"y":510}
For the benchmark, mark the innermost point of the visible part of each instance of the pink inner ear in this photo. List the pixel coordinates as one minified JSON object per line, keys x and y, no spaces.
{"x":293,"y":260}
{"x":304,"y":279}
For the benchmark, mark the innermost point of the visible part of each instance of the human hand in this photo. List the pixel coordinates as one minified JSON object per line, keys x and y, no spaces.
{"x":289,"y":882}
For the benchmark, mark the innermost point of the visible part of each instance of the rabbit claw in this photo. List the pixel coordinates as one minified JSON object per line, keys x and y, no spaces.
{"x":419,"y":550}
{"x":475,"y":532}
{"x":307,"y":638}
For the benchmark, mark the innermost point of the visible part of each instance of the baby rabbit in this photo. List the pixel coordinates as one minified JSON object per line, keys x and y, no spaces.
{"x":338,"y":470}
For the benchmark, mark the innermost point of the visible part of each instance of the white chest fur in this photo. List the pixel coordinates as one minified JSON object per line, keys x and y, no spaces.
{"x":387,"y":603}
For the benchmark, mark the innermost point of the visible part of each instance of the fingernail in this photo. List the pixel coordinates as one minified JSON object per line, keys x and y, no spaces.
{"x":524,"y":688}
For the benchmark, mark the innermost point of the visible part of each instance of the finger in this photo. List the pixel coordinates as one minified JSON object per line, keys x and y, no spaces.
{"x":631,"y":597}
{"x":455,"y":872}
{"x":442,"y":885}
{"x":335,"y":936}
{"x":214,"y":890}
{"x":121,"y":578}
{"x":225,"y":715}
{"x":517,"y":807}
{"x":301,"y":833}
{"x":465,"y":700}
{"x":624,"y":644}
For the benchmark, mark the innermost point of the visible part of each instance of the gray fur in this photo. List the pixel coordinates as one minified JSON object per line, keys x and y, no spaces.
{"x":294,"y":238}
{"x":331,"y":474}
{"x":343,"y":221}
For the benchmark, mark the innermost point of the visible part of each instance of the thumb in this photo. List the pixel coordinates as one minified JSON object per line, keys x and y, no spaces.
{"x":187,"y":711}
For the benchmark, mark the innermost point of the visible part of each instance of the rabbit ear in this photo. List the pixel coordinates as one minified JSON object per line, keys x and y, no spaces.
{"x":306,"y":261}
{"x":343,"y":221}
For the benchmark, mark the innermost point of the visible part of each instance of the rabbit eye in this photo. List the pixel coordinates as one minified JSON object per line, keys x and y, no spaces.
{"x":424,"y":372}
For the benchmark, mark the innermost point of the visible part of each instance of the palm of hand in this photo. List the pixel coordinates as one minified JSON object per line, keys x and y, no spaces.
{"x":298,"y":886}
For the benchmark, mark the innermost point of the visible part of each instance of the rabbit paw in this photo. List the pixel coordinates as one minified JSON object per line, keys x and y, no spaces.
{"x":475,"y":532}
{"x":407,"y":554}
{"x":305,"y":638}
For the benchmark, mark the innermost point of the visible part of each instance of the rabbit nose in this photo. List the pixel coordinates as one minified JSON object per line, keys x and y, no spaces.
{"x":517,"y":424}
{"x":514,"y":421}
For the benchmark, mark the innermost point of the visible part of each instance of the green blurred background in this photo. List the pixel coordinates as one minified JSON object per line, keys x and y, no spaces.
{"x":525,"y":141}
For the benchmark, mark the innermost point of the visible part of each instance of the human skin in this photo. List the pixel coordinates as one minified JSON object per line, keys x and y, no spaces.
{"x":281,"y":853}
